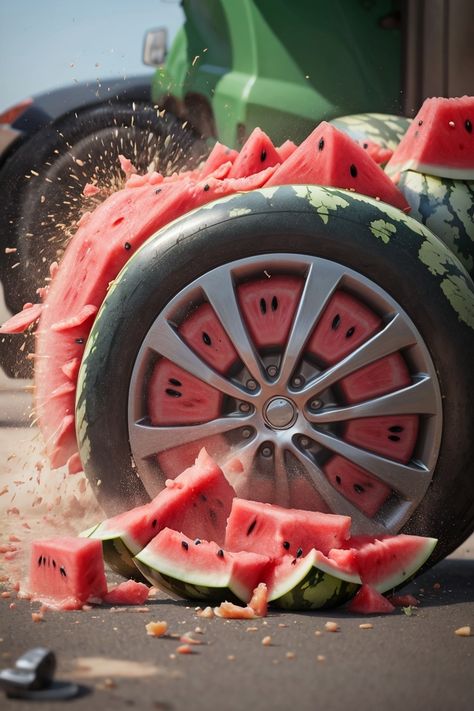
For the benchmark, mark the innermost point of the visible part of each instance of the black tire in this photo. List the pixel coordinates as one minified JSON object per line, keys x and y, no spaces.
{"x":41,"y":187}
{"x":414,"y":268}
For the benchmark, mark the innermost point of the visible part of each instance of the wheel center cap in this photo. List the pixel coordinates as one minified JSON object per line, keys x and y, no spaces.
{"x":280,"y":413}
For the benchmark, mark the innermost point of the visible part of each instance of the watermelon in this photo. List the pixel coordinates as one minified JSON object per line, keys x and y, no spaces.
{"x":379,"y":154}
{"x":444,"y":205}
{"x":329,"y":157}
{"x":200,"y":570}
{"x":275,"y":531}
{"x":440,"y":140}
{"x":129,"y":592}
{"x":286,"y":149}
{"x":258,"y":153}
{"x":368,"y":601}
{"x":66,"y":572}
{"x":197,"y":502}
{"x":384,"y":130}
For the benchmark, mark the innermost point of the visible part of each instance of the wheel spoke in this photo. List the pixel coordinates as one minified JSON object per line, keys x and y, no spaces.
{"x":220,"y":292}
{"x":147,"y":440}
{"x":395,"y":336}
{"x":335,"y":501}
{"x":409,"y":481}
{"x":163,"y":339}
{"x":319,"y":286}
{"x":418,"y":398}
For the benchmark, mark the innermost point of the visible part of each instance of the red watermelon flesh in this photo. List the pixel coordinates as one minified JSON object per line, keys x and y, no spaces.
{"x":258,"y":153}
{"x":275,"y":531}
{"x":127,"y":593}
{"x":219,"y":155}
{"x":358,"y":486}
{"x":384,"y":562}
{"x":269,"y":307}
{"x":377,"y":152}
{"x":197,"y":502}
{"x":286,"y":149}
{"x":95,"y":255}
{"x":440,"y":140}
{"x":66,"y":572}
{"x":202,"y":563}
{"x":367,"y":601}
{"x":330,"y":157}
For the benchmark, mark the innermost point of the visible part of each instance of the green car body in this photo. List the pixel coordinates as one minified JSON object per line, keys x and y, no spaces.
{"x":280,"y":65}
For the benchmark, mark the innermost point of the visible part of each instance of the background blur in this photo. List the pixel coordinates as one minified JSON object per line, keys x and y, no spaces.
{"x":52,"y":43}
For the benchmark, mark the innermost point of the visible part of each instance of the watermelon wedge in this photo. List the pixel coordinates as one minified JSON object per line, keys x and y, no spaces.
{"x":197,"y":503}
{"x":258,"y":153}
{"x":440,"y":140}
{"x":329,"y":157}
{"x":200,"y":570}
{"x":367,"y":601}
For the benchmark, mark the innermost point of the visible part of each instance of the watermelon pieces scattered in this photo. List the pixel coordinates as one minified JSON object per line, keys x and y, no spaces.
{"x":292,"y":559}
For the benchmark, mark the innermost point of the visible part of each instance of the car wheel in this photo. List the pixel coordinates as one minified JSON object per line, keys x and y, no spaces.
{"x":42,"y":185}
{"x":318,"y":343}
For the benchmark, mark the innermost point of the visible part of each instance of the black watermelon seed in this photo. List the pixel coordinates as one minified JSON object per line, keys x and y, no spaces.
{"x":358,"y":488}
{"x":220,"y":553}
{"x":127,"y":245}
{"x":54,"y":563}
{"x":175,"y":381}
{"x":251,"y":527}
{"x":263,"y":155}
{"x":153,"y":523}
{"x":40,"y":560}
{"x":206,"y":338}
{"x":321,"y":144}
{"x":263,"y":306}
{"x":394,"y":438}
{"x":197,"y":542}
{"x":185,"y":545}
{"x":44,"y":560}
{"x":335,"y":322}
{"x":338,"y":479}
{"x":80,"y":341}
{"x":293,"y":562}
{"x":395,"y":428}
{"x":274,"y":303}
{"x":206,"y":188}
{"x":157,"y":191}
{"x":286,"y":545}
{"x":420,"y":123}
{"x":172,"y":393}
{"x":63,"y":572}
{"x":353,"y":170}
{"x":350,"y":331}
{"x":203,"y":497}
{"x":468,"y":126}
{"x":299,"y":552}
{"x":365,"y":145}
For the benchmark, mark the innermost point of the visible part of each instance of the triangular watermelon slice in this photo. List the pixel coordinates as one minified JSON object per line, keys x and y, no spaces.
{"x":329,"y":157}
{"x":440,"y":140}
{"x":258,"y":153}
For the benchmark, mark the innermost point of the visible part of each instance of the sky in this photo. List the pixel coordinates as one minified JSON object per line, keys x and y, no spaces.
{"x":45,"y":44}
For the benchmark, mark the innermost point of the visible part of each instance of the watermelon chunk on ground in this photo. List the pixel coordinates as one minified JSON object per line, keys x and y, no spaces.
{"x":440,"y":140}
{"x":130,"y":592}
{"x":275,"y":531}
{"x":197,"y":503}
{"x":369,"y":601}
{"x":199,"y":569}
{"x":66,"y":572}
{"x":330,"y":157}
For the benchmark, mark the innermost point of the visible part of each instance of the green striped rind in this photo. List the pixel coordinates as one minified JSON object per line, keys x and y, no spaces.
{"x":446,"y":207}
{"x":317,"y":591}
{"x":116,"y":551}
{"x":185,"y":590}
{"x":385,"y":129}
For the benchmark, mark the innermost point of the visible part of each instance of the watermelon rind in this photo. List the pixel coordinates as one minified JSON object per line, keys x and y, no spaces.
{"x":195,"y":584}
{"x":118,"y":550}
{"x":409,"y":568}
{"x":385,"y":129}
{"x":444,"y":205}
{"x":314,"y":585}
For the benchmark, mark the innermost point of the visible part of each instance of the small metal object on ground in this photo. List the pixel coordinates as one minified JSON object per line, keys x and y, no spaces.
{"x":33,"y":678}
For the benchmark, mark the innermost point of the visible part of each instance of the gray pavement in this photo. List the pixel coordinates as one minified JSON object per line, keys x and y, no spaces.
{"x":404,"y":662}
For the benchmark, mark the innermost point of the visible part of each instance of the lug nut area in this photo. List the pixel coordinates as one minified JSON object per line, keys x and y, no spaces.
{"x":280,"y":413}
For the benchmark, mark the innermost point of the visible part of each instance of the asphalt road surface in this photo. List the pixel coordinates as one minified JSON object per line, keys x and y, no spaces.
{"x":402,"y":662}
